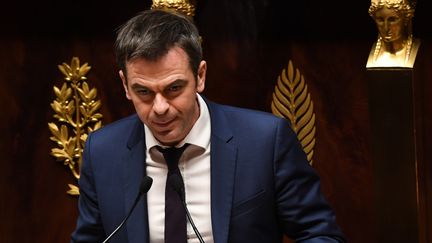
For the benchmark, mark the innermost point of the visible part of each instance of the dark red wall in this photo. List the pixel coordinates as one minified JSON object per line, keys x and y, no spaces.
{"x":246,"y":44}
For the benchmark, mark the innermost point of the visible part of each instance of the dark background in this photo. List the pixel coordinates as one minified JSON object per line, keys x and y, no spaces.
{"x":246,"y":44}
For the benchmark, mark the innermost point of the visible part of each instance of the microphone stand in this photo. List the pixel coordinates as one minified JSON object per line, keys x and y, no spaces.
{"x":176,"y":182}
{"x":197,"y":233}
{"x":144,"y":188}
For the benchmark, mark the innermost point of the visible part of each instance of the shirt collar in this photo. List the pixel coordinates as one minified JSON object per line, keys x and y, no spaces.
{"x":199,"y":135}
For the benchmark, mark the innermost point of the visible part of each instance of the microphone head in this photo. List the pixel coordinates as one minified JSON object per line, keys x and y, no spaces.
{"x":145,"y":185}
{"x":176,"y":181}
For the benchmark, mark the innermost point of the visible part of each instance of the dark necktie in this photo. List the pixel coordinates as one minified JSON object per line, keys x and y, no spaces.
{"x":175,"y":215}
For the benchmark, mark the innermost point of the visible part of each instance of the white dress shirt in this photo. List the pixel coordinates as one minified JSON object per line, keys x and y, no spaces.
{"x":194,"y":166}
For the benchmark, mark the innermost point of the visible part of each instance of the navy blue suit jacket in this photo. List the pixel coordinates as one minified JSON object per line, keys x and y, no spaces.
{"x":261,"y":184}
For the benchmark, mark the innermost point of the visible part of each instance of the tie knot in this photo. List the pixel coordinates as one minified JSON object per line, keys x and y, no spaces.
{"x":172,"y":155}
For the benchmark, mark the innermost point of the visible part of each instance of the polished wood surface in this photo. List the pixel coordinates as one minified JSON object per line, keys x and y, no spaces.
{"x":246,"y":44}
{"x":395,"y":163}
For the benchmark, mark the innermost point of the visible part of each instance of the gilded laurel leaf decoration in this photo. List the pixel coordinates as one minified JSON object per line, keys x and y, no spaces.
{"x":76,"y":111}
{"x":292,"y":101}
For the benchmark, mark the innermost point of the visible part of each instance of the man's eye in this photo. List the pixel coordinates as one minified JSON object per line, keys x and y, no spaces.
{"x":175,"y":88}
{"x":142,"y":91}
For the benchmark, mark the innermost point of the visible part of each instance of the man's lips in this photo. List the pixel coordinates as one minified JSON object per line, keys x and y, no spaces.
{"x":164,"y":123}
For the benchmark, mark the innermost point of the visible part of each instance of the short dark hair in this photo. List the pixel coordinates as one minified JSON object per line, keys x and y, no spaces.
{"x":152,"y":33}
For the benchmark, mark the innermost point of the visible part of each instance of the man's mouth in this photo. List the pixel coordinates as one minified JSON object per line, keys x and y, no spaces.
{"x":163,"y":123}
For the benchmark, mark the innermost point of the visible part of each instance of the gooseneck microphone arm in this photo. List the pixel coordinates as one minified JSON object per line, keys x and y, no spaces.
{"x":145,"y":185}
{"x":176,"y":182}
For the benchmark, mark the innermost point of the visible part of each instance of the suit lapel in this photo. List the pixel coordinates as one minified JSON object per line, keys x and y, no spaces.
{"x":223,"y":164}
{"x":134,"y":170}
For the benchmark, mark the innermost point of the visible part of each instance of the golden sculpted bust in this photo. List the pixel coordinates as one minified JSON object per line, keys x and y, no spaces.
{"x":185,"y":7}
{"x":395,"y":46}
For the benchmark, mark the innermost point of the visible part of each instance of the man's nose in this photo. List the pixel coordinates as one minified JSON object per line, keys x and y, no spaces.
{"x":160,"y":104}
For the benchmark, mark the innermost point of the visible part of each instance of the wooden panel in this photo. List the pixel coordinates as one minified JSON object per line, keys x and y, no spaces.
{"x":246,"y":44}
{"x":394,"y":153}
{"x":423,"y":112}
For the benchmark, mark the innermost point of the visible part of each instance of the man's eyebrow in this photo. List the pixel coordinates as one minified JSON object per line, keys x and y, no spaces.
{"x":178,"y":81}
{"x":138,"y":86}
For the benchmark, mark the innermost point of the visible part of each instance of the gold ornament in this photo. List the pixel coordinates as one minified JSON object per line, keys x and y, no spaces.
{"x":404,"y":5}
{"x":395,"y":45}
{"x":183,"y":6}
{"x":291,"y":100}
{"x":75,"y":109}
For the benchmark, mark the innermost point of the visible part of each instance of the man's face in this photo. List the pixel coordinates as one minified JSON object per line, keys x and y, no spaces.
{"x":164,"y":94}
{"x":390,"y":24}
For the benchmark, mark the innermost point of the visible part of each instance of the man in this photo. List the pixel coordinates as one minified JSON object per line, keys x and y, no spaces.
{"x":246,"y":178}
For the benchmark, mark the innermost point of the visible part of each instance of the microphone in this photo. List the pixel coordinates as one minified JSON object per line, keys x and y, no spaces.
{"x":176,"y":181}
{"x":145,"y":185}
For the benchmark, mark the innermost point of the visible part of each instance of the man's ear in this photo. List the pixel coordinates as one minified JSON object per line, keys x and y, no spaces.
{"x":201,"y":77}
{"x":123,"y":78}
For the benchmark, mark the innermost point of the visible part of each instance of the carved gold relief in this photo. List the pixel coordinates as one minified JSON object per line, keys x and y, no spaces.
{"x":395,"y":46}
{"x":76,"y":110}
{"x":292,"y":101}
{"x":185,"y":7}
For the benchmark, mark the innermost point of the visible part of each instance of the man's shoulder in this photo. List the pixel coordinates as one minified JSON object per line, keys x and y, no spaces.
{"x":244,"y":120}
{"x":242,"y":113}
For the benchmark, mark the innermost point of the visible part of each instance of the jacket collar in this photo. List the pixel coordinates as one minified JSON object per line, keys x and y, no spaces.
{"x":134,"y":171}
{"x":223,"y":164}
